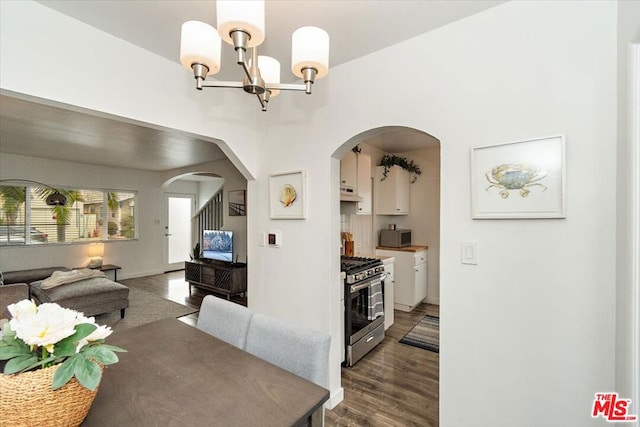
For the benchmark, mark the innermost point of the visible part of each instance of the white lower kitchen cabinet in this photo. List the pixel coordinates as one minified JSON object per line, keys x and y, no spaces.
{"x":410,"y":274}
{"x":389,"y":291}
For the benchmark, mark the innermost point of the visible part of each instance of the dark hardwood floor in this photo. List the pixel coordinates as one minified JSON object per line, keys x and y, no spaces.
{"x":394,"y":385}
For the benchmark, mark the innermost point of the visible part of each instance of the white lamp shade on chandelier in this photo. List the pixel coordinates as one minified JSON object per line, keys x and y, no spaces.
{"x":246,"y":14}
{"x":270,"y":70}
{"x":200,"y":44}
{"x":310,"y":49}
{"x":242,"y":24}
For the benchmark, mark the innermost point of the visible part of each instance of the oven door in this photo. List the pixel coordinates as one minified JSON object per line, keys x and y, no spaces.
{"x":365,"y":308}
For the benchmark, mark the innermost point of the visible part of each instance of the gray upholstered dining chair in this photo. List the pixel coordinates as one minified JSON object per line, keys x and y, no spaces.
{"x":225,"y":320}
{"x":299,"y":351}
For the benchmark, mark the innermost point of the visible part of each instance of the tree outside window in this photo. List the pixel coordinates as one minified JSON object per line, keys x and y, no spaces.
{"x":89,"y":215}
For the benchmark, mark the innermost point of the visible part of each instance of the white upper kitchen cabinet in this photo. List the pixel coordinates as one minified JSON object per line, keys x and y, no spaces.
{"x":355,"y":180}
{"x":349,"y":173}
{"x":364,"y":184}
{"x":392,"y":192}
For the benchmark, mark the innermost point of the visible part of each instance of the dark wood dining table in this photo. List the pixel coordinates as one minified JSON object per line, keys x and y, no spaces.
{"x":176,"y":375}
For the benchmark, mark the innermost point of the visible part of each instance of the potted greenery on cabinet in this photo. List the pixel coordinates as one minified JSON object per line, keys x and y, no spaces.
{"x":389,"y":160}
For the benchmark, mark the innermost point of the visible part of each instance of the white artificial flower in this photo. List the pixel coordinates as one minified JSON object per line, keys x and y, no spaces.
{"x":100,"y":333}
{"x":25,"y":307}
{"x":48,"y":325}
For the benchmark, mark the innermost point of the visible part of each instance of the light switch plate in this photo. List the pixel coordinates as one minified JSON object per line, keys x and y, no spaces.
{"x":261,"y":239}
{"x":469,"y":253}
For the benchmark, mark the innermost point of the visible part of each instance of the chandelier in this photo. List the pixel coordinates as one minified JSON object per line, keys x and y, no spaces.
{"x":241,"y":24}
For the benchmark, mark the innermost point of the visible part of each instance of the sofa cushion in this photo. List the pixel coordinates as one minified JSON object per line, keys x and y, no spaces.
{"x":32,"y":275}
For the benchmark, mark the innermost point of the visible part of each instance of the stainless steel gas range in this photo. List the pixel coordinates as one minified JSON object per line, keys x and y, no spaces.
{"x":364,"y":306}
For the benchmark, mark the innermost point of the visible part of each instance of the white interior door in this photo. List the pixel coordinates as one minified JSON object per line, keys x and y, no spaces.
{"x":179,"y":242}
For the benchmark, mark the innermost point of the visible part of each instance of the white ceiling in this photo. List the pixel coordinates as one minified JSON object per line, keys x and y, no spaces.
{"x":40,"y":130}
{"x":355,"y":27}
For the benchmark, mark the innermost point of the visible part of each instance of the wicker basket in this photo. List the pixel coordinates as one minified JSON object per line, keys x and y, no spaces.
{"x":26,"y":399}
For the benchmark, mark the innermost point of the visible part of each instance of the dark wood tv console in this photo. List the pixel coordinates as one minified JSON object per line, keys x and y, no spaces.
{"x":220,"y":277}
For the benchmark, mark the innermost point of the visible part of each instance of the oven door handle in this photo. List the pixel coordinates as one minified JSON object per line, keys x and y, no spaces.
{"x":355,"y":289}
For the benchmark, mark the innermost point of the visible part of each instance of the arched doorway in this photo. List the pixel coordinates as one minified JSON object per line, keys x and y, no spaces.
{"x":185,"y":194}
{"x":424,"y":215}
{"x":364,"y":224}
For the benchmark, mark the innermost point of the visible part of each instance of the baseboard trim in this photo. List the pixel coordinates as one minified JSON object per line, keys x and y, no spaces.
{"x":136,"y":274}
{"x":335,"y":398}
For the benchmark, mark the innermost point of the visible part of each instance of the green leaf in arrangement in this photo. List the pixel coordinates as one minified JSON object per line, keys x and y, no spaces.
{"x":114,"y":348}
{"x":88,"y":374}
{"x":83,"y":330}
{"x":101,"y":355}
{"x":19,"y":363}
{"x":8,"y":351}
{"x":65,"y":372}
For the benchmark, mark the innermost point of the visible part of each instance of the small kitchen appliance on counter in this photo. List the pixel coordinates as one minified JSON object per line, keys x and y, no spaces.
{"x":364,"y":305}
{"x":395,"y":238}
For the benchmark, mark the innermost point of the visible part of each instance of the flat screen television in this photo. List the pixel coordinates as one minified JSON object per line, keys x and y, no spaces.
{"x":217,"y":245}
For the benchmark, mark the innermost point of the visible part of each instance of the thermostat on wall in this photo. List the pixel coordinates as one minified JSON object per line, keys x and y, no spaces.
{"x":274,"y":239}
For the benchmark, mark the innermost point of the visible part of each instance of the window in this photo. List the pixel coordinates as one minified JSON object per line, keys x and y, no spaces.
{"x":89,"y":215}
{"x":121,"y":215}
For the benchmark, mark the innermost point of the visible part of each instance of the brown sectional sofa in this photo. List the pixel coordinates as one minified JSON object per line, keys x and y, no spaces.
{"x":90,"y":296}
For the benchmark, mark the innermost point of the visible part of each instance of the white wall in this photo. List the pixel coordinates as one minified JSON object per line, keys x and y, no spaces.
{"x":527,"y":335}
{"x":628,"y":206}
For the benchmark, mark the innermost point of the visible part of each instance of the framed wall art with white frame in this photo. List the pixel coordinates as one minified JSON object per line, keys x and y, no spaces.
{"x":523,"y":179}
{"x":287,"y":195}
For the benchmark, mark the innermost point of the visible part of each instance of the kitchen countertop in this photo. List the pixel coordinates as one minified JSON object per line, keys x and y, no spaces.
{"x":411,"y":248}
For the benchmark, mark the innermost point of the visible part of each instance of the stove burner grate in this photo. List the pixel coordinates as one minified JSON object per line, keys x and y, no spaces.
{"x":354,"y":264}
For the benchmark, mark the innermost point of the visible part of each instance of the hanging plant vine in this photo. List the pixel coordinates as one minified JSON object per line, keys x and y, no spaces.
{"x":390,"y":160}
